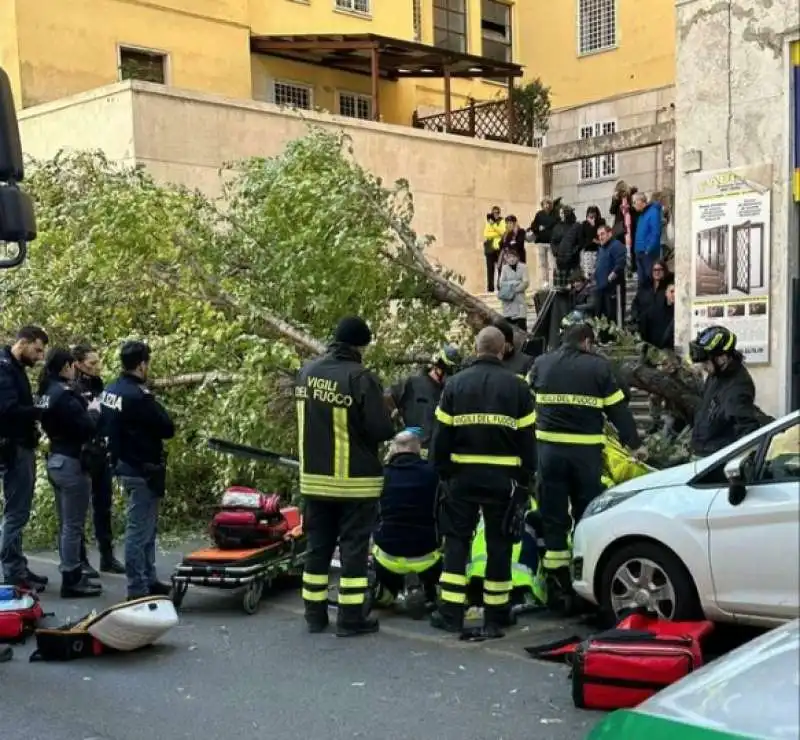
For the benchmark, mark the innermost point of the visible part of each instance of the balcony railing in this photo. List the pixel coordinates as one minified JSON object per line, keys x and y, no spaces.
{"x":493,"y":121}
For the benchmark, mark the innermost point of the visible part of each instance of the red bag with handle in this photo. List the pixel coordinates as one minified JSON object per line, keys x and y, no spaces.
{"x":19,"y":616}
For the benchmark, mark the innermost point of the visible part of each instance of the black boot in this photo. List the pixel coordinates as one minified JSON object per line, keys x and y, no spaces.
{"x":6,"y":654}
{"x":442,"y":621}
{"x":31,"y":577}
{"x":88,"y":570}
{"x":108,"y":563}
{"x":159,"y":588}
{"x":75,"y":585}
{"x":363,"y":626}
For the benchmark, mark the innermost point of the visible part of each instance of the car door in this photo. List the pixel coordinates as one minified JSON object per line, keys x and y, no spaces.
{"x":754,"y":547}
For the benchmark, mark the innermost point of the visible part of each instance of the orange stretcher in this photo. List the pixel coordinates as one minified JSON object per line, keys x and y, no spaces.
{"x":252,"y":570}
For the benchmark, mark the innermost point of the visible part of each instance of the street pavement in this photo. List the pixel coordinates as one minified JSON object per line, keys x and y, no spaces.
{"x":222,"y":674}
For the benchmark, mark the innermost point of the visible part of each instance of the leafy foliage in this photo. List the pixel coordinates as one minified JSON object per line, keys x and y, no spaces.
{"x":305,"y":237}
{"x":532,"y":104}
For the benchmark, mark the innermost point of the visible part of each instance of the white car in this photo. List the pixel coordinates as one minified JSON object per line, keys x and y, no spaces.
{"x":718,"y":536}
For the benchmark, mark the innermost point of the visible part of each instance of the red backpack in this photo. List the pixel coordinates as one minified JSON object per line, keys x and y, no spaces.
{"x":19,"y":616}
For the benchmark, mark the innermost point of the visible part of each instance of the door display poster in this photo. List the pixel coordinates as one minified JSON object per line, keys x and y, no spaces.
{"x":731,"y":259}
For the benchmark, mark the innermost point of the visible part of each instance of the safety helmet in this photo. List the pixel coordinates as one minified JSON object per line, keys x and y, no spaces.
{"x":448,"y":359}
{"x":712,"y":342}
{"x":573,"y":318}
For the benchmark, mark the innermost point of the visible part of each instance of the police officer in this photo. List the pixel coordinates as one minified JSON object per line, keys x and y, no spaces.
{"x":90,"y":385}
{"x":19,"y":437}
{"x":517,"y":362}
{"x":727,"y":411}
{"x":483,"y":450}
{"x":136,"y":426}
{"x":574,"y":388}
{"x":414,"y":399}
{"x":70,"y":423}
{"x":341,"y":420}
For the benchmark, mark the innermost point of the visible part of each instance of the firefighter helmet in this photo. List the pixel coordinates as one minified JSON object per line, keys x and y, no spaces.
{"x":573,"y":318}
{"x":448,"y":359}
{"x":712,"y":342}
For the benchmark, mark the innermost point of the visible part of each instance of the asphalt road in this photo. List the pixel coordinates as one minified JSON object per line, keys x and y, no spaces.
{"x":221,"y":674}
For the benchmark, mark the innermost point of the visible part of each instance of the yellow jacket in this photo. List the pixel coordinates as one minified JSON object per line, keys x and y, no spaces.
{"x":494,"y":232}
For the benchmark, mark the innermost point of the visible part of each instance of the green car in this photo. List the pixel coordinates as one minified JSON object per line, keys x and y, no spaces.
{"x":753,"y":692}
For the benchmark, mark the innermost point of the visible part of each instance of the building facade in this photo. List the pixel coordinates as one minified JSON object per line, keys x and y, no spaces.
{"x":208,"y":46}
{"x":738,"y":204}
{"x":610,"y":66}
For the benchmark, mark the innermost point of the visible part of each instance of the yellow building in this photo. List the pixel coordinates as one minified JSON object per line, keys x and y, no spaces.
{"x":281,"y":51}
{"x":610,"y":66}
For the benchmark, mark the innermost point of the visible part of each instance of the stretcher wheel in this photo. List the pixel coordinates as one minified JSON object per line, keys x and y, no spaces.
{"x":252,"y":596}
{"x":179,"y":590}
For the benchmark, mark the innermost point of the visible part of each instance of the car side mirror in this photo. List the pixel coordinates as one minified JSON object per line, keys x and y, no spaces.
{"x":735,"y":474}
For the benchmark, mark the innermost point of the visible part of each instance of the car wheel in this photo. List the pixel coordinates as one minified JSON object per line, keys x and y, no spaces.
{"x":647,"y":575}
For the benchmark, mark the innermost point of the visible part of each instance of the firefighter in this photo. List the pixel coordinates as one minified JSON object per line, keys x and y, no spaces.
{"x":413,"y":401}
{"x":517,"y":362}
{"x":483,"y":449}
{"x":727,"y":411}
{"x":342,"y":420}
{"x":573,"y":388}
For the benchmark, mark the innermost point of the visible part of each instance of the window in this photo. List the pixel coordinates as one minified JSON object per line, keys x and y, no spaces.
{"x":604,"y":166}
{"x":417,"y":13}
{"x":353,"y":105}
{"x":597,"y":25}
{"x":496,"y":30}
{"x":782,"y":459}
{"x":450,"y":25}
{"x":539,"y":140}
{"x":137,"y":64}
{"x":292,"y":95}
{"x":354,"y":6}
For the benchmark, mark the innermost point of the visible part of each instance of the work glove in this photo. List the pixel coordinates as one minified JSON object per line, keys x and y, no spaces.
{"x":514,"y":519}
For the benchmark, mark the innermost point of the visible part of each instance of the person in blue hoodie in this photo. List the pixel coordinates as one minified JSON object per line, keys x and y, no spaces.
{"x":406,"y":541}
{"x":609,"y":274}
{"x":647,"y":240}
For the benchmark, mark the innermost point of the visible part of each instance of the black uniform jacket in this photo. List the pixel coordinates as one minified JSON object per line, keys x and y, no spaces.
{"x":341,"y":420}
{"x":518,"y":363}
{"x":573,"y":390}
{"x":66,"y":420}
{"x":416,"y":398}
{"x":727,"y":411}
{"x":18,"y":414}
{"x":406,"y":526}
{"x":484,"y":430}
{"x":135,"y":425}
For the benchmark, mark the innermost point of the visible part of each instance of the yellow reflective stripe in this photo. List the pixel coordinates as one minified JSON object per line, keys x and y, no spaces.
{"x":454,"y":579}
{"x":452,"y":597}
{"x":351,"y":599}
{"x":496,"y":599}
{"x":554,"y":559}
{"x":401,"y":565}
{"x":327,"y":485}
{"x":494,"y":420}
{"x":570,"y":439}
{"x":527,"y":421}
{"x":353,"y":582}
{"x":568,"y":399}
{"x":315,"y":579}
{"x":341,"y":444}
{"x":443,"y":417}
{"x":497,"y":586}
{"x":301,"y":428}
{"x":423,"y":453}
{"x":314,"y":595}
{"x":502,"y":460}
{"x":729,"y":343}
{"x":614,"y":398}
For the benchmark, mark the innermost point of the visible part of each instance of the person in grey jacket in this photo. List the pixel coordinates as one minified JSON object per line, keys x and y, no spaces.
{"x":511,"y":289}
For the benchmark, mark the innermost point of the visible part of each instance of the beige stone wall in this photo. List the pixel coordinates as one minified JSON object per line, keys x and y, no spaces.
{"x":642,"y":167}
{"x":185,"y":137}
{"x":748,"y":127}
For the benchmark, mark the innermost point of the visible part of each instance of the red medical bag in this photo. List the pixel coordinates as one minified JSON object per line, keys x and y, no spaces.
{"x":621,"y":668}
{"x":19,"y":617}
{"x":247,"y":519}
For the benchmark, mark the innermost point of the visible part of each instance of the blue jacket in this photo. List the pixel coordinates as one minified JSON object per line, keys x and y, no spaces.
{"x":406,"y":525}
{"x":610,"y":258}
{"x":135,"y":424}
{"x":65,"y":419}
{"x":648,"y":230}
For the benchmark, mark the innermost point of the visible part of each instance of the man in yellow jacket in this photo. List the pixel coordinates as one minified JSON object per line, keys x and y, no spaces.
{"x":493,"y":233}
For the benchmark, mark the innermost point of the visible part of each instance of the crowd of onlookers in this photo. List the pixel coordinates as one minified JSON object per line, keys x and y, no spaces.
{"x":591,"y":259}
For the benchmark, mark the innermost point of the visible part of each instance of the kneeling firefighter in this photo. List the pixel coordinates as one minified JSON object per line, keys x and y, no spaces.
{"x":574,"y":388}
{"x":406,"y":541}
{"x":413,"y":401}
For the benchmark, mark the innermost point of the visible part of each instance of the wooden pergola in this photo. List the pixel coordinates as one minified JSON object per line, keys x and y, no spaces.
{"x":384,"y":58}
